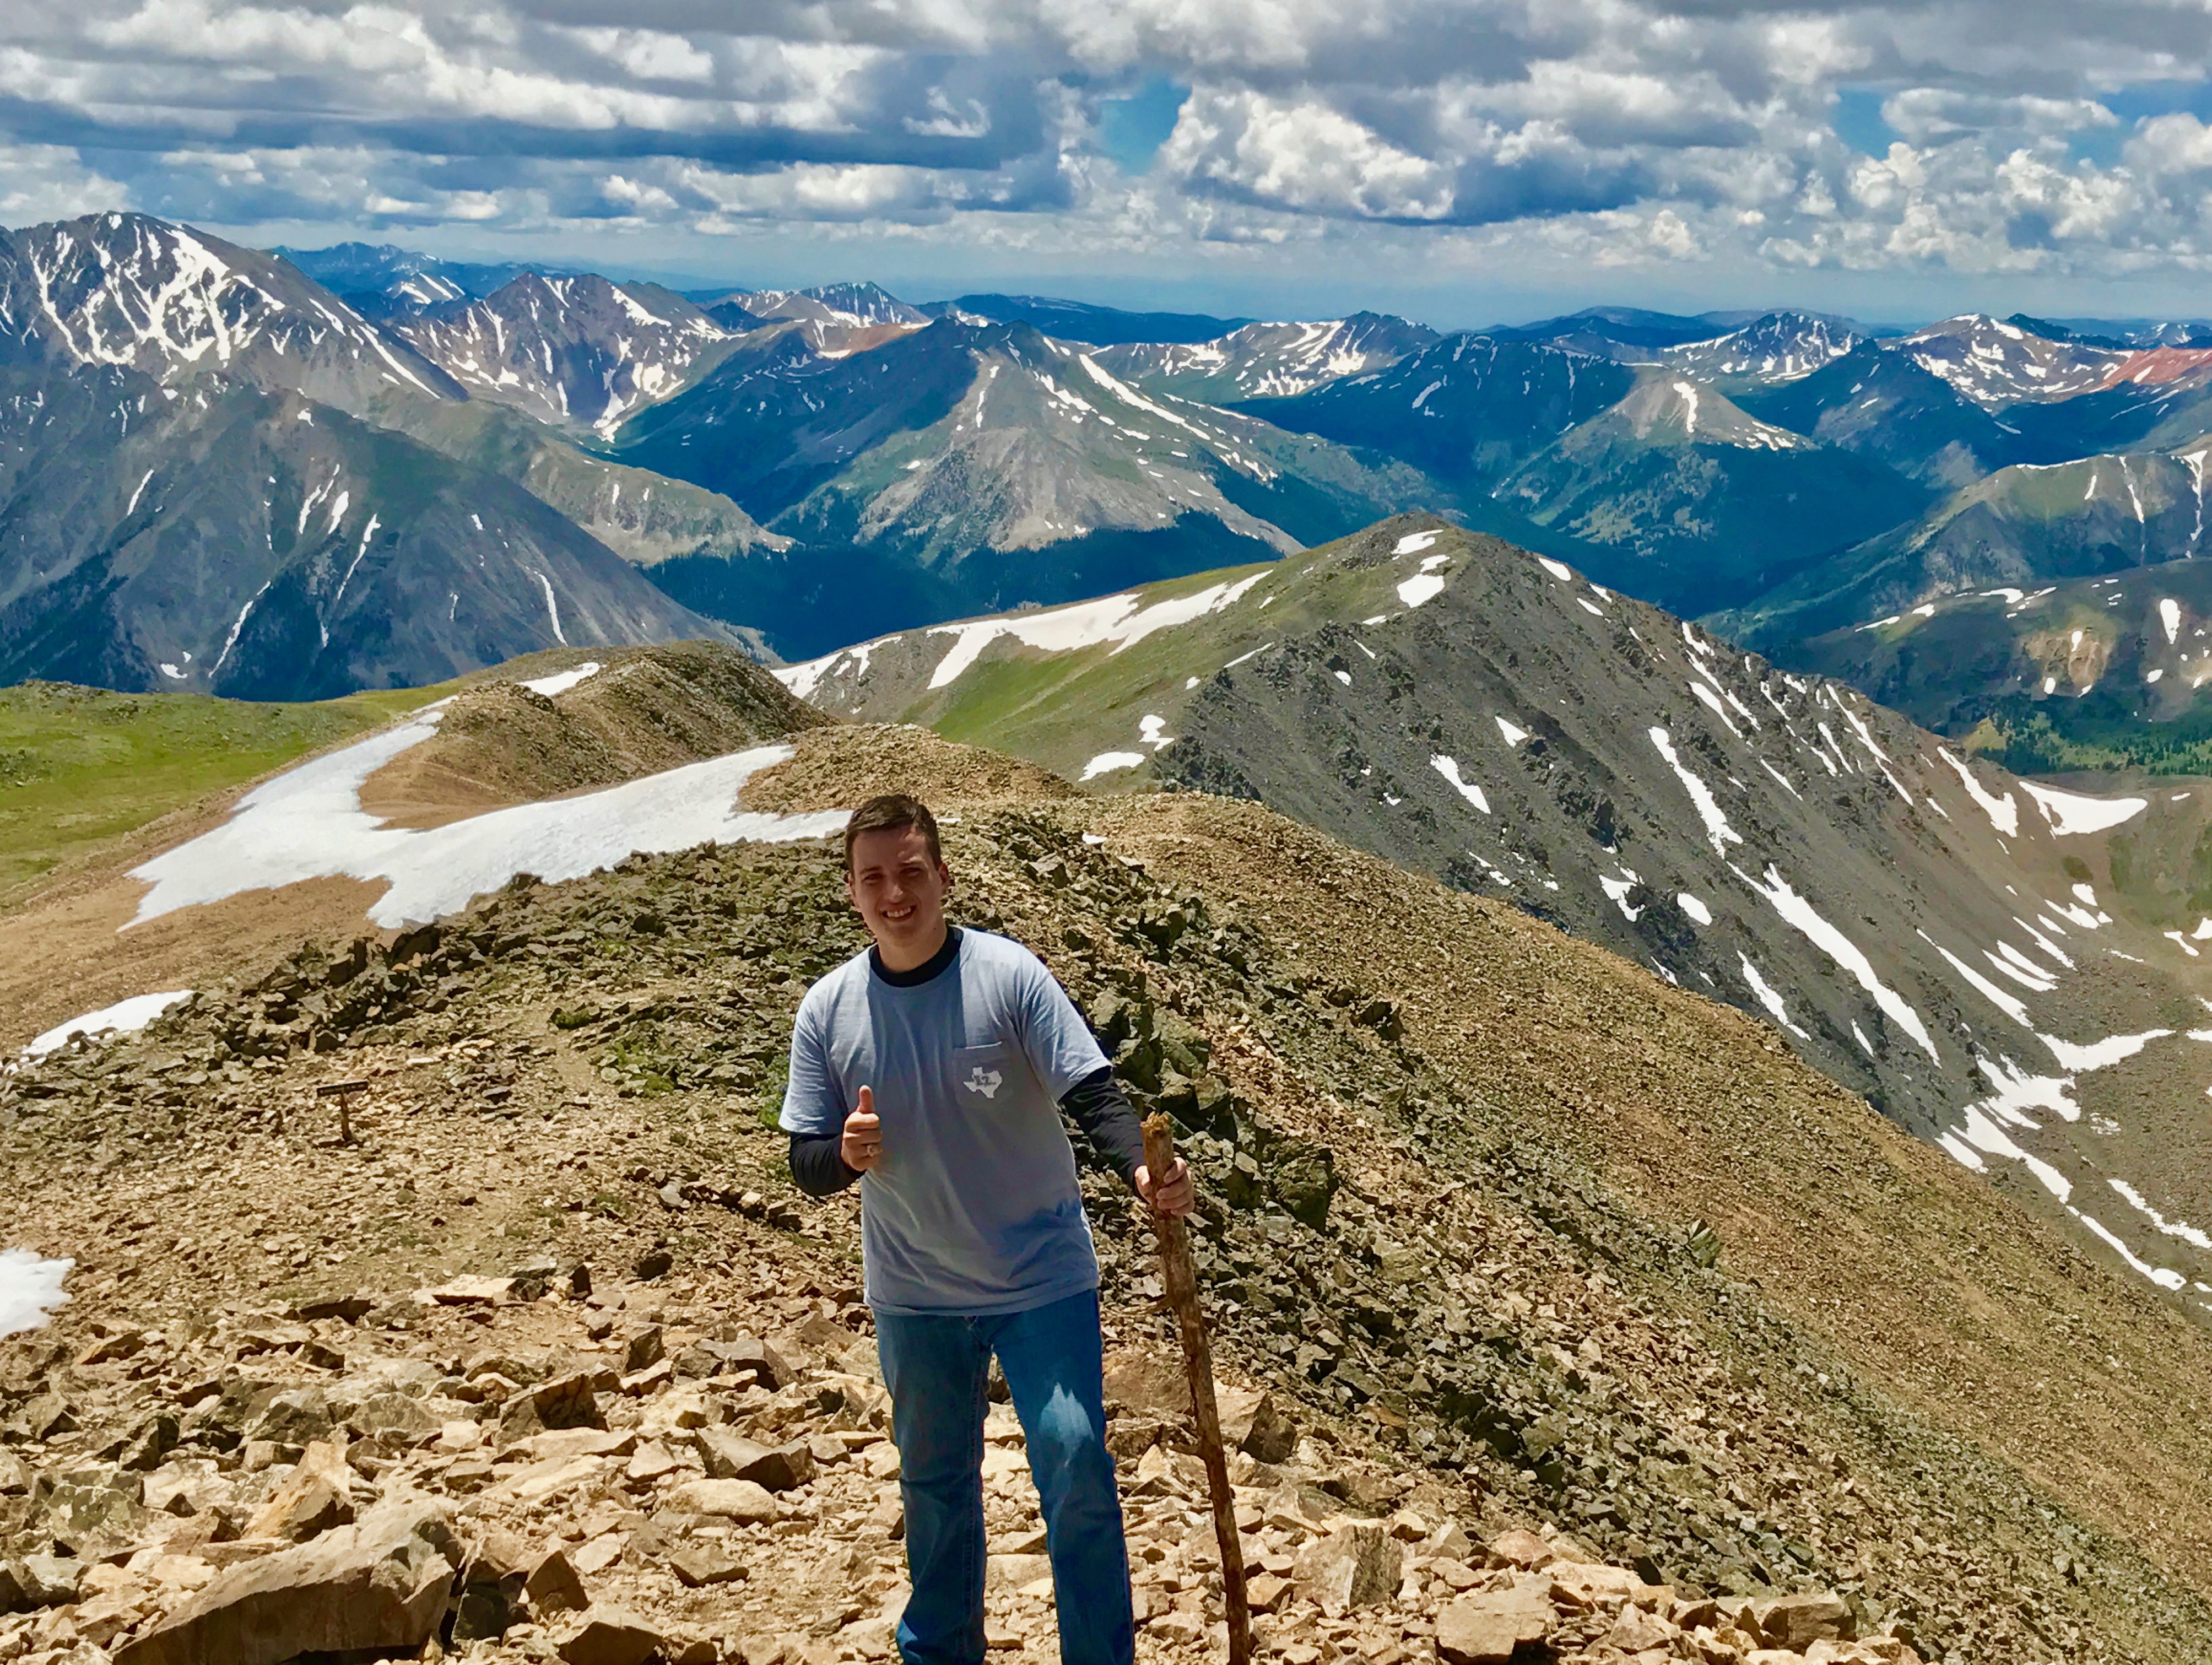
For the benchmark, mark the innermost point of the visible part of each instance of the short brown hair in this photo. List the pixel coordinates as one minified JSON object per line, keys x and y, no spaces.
{"x":892,"y":811}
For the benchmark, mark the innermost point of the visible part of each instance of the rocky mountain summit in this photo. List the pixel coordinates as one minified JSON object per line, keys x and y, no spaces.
{"x":1269,"y":361}
{"x":1542,"y":1292}
{"x":570,"y":351}
{"x":218,"y":475}
{"x":129,"y":291}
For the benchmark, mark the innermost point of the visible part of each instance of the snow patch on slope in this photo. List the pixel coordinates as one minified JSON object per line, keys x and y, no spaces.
{"x":1769,"y":996}
{"x":1701,"y":795}
{"x":309,"y":824}
{"x":30,"y":1288}
{"x":2003,"y":812}
{"x":2071,"y":812}
{"x":124,"y":1017}
{"x":1448,"y":768}
{"x":1123,"y":620}
{"x":1844,"y":952}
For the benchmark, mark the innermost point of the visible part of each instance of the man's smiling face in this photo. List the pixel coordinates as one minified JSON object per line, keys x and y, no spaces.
{"x":899,"y":889}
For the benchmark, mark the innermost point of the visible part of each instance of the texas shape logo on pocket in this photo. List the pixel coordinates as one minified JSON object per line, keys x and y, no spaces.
{"x":983,"y":1081}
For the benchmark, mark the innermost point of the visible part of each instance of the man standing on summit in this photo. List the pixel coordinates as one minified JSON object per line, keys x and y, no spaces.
{"x":935,"y":1065}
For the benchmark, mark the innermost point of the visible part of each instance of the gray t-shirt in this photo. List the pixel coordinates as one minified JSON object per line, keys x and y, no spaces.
{"x":973,"y":1207}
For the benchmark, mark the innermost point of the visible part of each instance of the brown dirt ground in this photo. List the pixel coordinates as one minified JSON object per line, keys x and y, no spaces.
{"x":838,"y":766}
{"x":72,"y":956}
{"x":2026,"y":1345}
{"x":650,"y":709}
{"x":1920,"y":1274}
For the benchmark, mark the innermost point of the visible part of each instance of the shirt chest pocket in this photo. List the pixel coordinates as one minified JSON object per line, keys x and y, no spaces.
{"x":982,"y":1077}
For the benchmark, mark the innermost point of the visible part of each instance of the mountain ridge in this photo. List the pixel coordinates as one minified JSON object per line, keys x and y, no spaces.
{"x":1463,"y":708}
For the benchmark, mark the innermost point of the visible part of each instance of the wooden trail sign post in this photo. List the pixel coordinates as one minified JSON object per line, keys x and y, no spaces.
{"x":1198,"y":1361}
{"x":343,"y":1092}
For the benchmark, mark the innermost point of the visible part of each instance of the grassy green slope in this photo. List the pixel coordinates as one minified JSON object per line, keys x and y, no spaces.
{"x":2101,"y":674}
{"x":1062,"y":707}
{"x":79,"y":766}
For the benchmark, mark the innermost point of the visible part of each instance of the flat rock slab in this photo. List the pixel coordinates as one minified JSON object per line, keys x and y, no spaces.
{"x":739,"y":1500}
{"x":378,"y":1584}
{"x":612,"y":1635}
{"x":1485,"y":1630}
{"x":731,"y":1456}
{"x":471,"y":1291}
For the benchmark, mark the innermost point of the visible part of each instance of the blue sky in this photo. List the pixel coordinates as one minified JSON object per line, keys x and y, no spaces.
{"x":1459,"y":160}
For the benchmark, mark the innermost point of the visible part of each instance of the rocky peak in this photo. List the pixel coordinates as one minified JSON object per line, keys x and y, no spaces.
{"x":127,"y":289}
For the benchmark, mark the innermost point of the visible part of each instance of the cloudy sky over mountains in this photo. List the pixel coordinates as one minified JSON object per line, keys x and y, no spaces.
{"x":1246,"y":154}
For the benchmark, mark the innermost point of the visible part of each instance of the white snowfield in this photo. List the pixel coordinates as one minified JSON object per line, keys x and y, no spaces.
{"x":1107,"y":761}
{"x":124,"y":1017}
{"x":1844,"y":952}
{"x":1448,"y":768}
{"x":2003,"y":812}
{"x":1708,"y":807}
{"x":1768,"y":995}
{"x":309,"y":824}
{"x":2070,"y":812}
{"x":562,"y":681}
{"x":30,"y":1288}
{"x":1123,"y":620}
{"x":1427,"y":584}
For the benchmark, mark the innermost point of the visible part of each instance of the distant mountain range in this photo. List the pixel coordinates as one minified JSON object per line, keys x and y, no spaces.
{"x":804,"y":467}
{"x":970,"y":465}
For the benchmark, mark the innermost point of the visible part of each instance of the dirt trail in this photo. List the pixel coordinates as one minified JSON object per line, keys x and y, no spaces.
{"x":61,"y":959}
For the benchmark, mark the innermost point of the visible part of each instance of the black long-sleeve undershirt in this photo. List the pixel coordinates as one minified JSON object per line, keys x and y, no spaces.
{"x":1096,"y":1102}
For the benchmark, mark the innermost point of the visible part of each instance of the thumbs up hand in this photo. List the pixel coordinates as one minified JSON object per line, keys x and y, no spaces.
{"x":862,"y":1145}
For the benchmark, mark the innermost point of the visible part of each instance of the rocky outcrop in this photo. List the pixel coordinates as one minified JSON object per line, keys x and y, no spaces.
{"x":382,"y":1582}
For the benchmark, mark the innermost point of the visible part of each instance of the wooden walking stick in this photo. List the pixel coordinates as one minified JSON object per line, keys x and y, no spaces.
{"x":1198,"y":1361}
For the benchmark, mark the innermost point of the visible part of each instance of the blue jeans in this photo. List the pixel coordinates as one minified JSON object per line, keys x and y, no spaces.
{"x":938,"y":1369}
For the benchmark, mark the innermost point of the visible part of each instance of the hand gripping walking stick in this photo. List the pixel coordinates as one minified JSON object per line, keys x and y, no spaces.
{"x":1198,"y":1363}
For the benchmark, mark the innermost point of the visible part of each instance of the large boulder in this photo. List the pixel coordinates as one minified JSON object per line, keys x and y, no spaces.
{"x":94,"y":1504}
{"x":612,"y":1635}
{"x":316,"y":1496}
{"x":40,"y":1580}
{"x":1798,"y":1621}
{"x":1252,"y":1422}
{"x":295,"y":1417}
{"x":732,"y":1456}
{"x":1486,"y":1629}
{"x":393,"y":1418}
{"x":567,"y":1402}
{"x":379,"y":1583}
{"x":742,"y":1501}
{"x":553,"y":1585}
{"x":1354,"y":1566}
